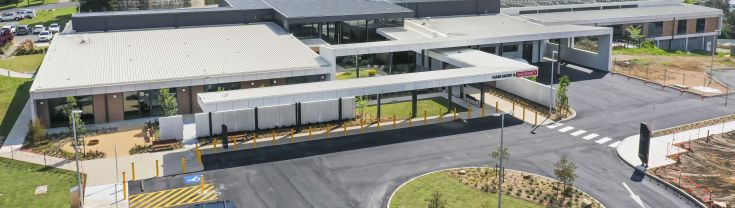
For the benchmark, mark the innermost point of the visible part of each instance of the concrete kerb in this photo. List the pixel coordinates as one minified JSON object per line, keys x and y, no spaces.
{"x":419,"y":176}
{"x":629,"y":145}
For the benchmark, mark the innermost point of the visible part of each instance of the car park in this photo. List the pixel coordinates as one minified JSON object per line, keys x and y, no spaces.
{"x":10,"y":16}
{"x":38,"y":29}
{"x":23,"y":30}
{"x":45,"y":36}
{"x":54,"y":28}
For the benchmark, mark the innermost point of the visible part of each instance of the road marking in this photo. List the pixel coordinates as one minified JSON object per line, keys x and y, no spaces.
{"x":565,"y":129}
{"x":635,"y":197}
{"x":603,"y":140}
{"x":577,"y":133}
{"x":174,"y":197}
{"x":614,"y":144}
{"x":554,"y":125}
{"x":590,"y":136}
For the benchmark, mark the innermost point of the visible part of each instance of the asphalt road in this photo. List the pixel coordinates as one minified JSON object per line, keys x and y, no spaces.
{"x":363,"y":170}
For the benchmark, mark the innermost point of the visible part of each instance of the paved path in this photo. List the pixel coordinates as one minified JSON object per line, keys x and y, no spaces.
{"x":9,"y":73}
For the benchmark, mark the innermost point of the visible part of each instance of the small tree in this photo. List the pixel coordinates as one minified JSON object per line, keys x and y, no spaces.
{"x":36,"y":132}
{"x":634,"y":33}
{"x":562,"y":101}
{"x":169,"y":106}
{"x":435,"y":200}
{"x":362,"y":102}
{"x":497,"y":154}
{"x":564,"y":170}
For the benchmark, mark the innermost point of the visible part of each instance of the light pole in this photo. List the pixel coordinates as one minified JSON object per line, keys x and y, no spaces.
{"x":554,"y":55}
{"x":502,"y":154}
{"x":714,"y":48}
{"x":76,"y":152}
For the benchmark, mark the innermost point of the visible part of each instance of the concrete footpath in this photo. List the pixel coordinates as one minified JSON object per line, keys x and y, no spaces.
{"x":8,"y":73}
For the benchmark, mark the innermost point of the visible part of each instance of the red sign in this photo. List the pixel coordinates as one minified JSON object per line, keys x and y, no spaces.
{"x":527,"y":73}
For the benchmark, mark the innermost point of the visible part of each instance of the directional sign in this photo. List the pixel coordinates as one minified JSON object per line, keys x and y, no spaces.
{"x":192,"y":179}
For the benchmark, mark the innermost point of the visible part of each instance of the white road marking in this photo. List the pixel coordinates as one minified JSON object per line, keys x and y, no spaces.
{"x":577,"y":133}
{"x":590,"y":136}
{"x":614,"y":144}
{"x":635,"y":197}
{"x":554,"y":125}
{"x":603,"y":140}
{"x":565,"y":129}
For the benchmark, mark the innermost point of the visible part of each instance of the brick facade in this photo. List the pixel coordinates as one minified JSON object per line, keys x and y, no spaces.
{"x":99,"y":106}
{"x":115,"y":107}
{"x":182,"y":100}
{"x":710,"y":24}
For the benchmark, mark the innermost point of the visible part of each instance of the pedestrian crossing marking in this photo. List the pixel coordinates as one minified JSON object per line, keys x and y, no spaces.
{"x":565,"y":129}
{"x":603,"y":140}
{"x":174,"y":197}
{"x":590,"y":136}
{"x":614,"y":144}
{"x":577,"y":133}
{"x":554,"y":125}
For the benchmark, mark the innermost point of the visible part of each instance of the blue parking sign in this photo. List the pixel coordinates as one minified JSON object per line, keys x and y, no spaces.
{"x":192,"y":179}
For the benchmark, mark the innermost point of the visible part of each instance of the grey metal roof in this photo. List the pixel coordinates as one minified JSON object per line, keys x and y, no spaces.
{"x":330,"y":8}
{"x":289,"y":94}
{"x":91,"y":60}
{"x":145,"y":12}
{"x":248,"y":4}
{"x":534,"y":3}
{"x":654,"y":13}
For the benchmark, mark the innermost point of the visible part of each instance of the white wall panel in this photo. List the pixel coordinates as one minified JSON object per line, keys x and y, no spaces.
{"x":202,"y":124}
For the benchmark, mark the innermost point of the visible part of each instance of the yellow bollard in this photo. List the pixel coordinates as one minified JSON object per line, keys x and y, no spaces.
{"x":292,"y":136}
{"x":496,"y":106}
{"x":329,"y":129}
{"x":394,"y":121}
{"x":125,"y":187}
{"x":214,"y":142}
{"x":183,"y":165}
{"x":344,"y":130}
{"x":523,"y":117}
{"x":255,"y":140}
{"x":441,"y":116}
{"x":132,"y":165}
{"x":361,"y":127}
{"x":378,"y":127}
{"x":201,"y":184}
{"x":199,"y":157}
{"x":535,"y":119}
{"x":514,"y":108}
{"x":273,"y":136}
{"x":157,"y":173}
{"x":469,"y":111}
{"x":197,"y":146}
{"x":410,"y":119}
{"x":309,"y":133}
{"x":455,"y":113}
{"x":234,"y":144}
{"x":424,"y":117}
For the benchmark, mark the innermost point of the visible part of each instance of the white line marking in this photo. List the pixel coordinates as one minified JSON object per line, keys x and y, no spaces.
{"x":554,"y":125}
{"x":590,"y":136}
{"x":614,"y":144}
{"x":635,"y":197}
{"x":565,"y":129}
{"x":603,"y":140}
{"x":577,"y":133}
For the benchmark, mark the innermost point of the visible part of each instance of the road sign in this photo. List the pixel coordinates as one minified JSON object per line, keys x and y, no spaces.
{"x":192,"y":179}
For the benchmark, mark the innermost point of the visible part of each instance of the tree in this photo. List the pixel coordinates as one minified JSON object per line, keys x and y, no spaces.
{"x":169,"y":106}
{"x":564,"y":170}
{"x":362,"y":102}
{"x":562,"y":101}
{"x":97,"y":5}
{"x":71,"y":105}
{"x":435,"y":200}
{"x":497,"y":154}
{"x":36,"y":132}
{"x":634,"y":33}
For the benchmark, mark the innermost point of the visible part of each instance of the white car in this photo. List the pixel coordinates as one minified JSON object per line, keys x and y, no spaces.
{"x":27,"y":13}
{"x":54,"y":28}
{"x":38,"y":29}
{"x":11,"y":28}
{"x":10,"y":16}
{"x":45,"y":36}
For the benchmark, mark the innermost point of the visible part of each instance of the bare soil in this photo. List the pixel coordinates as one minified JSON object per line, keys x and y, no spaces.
{"x":706,"y":170}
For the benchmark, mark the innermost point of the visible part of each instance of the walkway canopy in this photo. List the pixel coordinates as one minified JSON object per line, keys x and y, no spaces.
{"x":316,"y":91}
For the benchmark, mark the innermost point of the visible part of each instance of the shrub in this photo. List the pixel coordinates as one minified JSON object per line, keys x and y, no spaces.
{"x":372,"y":72}
{"x":348,"y":72}
{"x":138,"y":149}
{"x":36,"y":132}
{"x":89,"y":155}
{"x":27,"y":47}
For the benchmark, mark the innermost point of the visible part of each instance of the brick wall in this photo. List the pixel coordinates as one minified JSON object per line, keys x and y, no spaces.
{"x":668,"y":28}
{"x":710,"y":24}
{"x":99,"y":108}
{"x":194,"y":91}
{"x":115,"y":107}
{"x":691,"y":26}
{"x":183,"y":100}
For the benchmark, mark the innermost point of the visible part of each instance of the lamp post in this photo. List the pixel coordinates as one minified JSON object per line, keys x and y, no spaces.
{"x":554,"y":55}
{"x":714,"y":48}
{"x":74,"y":113}
{"x":502,"y":154}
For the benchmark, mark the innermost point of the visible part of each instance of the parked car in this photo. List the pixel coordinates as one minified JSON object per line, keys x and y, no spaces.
{"x":23,"y":30}
{"x":27,"y":13}
{"x":45,"y":36}
{"x":11,"y":27}
{"x":38,"y":29}
{"x":10,"y":16}
{"x":54,"y":28}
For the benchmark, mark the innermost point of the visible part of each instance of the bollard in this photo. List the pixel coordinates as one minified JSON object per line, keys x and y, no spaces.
{"x":292,"y":136}
{"x":441,"y":115}
{"x":214,"y":142}
{"x":183,"y":165}
{"x":394,"y":121}
{"x":378,"y":129}
{"x":535,"y":119}
{"x":199,"y":157}
{"x":344,"y":126}
{"x":523,"y":117}
{"x":496,"y":106}
{"x":469,"y":111}
{"x":329,"y":129}
{"x":410,"y":121}
{"x":132,"y":165}
{"x":201,"y":184}
{"x":482,"y":110}
{"x":455,"y":113}
{"x":273,"y":137}
{"x":513,"y":109}
{"x":197,"y":146}
{"x":157,"y":173}
{"x":125,"y":186}
{"x":255,"y":139}
{"x":309,"y":133}
{"x":424,"y":117}
{"x":234,"y":144}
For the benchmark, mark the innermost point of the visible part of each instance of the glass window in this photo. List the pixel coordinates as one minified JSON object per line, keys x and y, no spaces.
{"x":510,"y":48}
{"x":131,"y":105}
{"x":223,"y":86}
{"x":655,"y":29}
{"x":56,"y":112}
{"x":681,"y":27}
{"x":700,"y":25}
{"x":85,"y":104}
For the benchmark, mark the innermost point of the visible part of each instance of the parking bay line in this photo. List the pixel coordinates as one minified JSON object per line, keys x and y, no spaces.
{"x":603,"y":140}
{"x":578,"y":132}
{"x":552,"y":126}
{"x":565,"y":129}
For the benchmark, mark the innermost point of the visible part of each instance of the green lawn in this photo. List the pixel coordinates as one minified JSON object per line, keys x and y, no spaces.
{"x":61,"y":16}
{"x":25,"y":3}
{"x":351,"y":74}
{"x":455,"y":193}
{"x":25,"y":63}
{"x":20,"y":179}
{"x":401,"y":109}
{"x":13,"y":96}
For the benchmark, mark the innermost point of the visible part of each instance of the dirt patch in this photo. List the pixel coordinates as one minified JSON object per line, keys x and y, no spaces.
{"x":124,"y":139}
{"x":706,"y":170}
{"x":531,"y":187}
{"x":688,"y":72}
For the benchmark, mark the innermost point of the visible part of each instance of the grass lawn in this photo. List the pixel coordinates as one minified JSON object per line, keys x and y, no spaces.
{"x":455,"y":193}
{"x":351,"y":74}
{"x":13,"y":96}
{"x":25,"y":63}
{"x":19,"y":181}
{"x":26,"y":3}
{"x":403,"y":108}
{"x":61,"y":16}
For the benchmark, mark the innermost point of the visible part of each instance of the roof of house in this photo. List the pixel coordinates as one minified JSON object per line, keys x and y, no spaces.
{"x":88,"y":60}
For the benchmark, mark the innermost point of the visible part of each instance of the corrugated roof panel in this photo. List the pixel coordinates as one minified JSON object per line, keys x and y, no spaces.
{"x":327,"y":8}
{"x":640,"y":13}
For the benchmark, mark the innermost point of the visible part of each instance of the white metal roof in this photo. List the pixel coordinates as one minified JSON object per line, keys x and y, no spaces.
{"x":467,"y":57}
{"x":627,"y":15}
{"x":289,"y":94}
{"x":95,"y":60}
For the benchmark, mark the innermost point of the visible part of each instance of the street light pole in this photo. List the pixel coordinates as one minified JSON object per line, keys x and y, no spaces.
{"x":502,"y":154}
{"x":551,"y":80}
{"x":76,"y":153}
{"x":714,"y":48}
